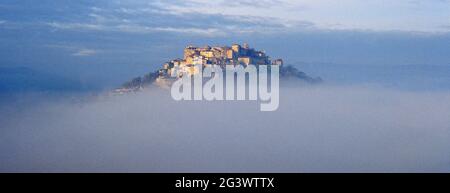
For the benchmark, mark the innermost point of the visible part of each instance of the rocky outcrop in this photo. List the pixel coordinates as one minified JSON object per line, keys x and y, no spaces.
{"x":221,"y":56}
{"x":292,"y":72}
{"x":287,"y":73}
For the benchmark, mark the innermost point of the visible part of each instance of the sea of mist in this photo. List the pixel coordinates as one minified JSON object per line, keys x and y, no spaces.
{"x":316,"y":129}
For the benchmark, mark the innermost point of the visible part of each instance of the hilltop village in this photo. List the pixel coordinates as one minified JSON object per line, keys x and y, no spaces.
{"x":234,"y":55}
{"x":207,"y":55}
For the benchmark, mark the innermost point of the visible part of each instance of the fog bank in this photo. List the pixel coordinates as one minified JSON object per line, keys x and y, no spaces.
{"x":316,"y":129}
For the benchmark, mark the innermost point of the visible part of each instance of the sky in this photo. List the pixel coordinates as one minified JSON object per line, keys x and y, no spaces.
{"x":104,"y":43}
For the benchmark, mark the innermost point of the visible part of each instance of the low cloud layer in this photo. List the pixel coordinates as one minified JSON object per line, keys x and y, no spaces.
{"x":85,"y":52}
{"x":320,"y":129}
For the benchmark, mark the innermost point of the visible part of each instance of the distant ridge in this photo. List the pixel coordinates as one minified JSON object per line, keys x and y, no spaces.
{"x":22,"y":79}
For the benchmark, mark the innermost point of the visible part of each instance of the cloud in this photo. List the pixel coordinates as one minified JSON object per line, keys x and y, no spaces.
{"x":445,"y":26}
{"x":132,"y":17}
{"x":134,"y":28}
{"x":2,"y":22}
{"x":75,"y":50}
{"x":379,"y":15}
{"x":79,"y":26}
{"x":247,"y":16}
{"x":144,"y":29}
{"x":204,"y":18}
{"x":318,"y":129}
{"x":253,"y":3}
{"x":85,"y":52}
{"x":201,"y":31}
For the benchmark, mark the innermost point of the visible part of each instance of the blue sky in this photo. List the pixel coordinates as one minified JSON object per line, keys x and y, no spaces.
{"x":108,"y":41}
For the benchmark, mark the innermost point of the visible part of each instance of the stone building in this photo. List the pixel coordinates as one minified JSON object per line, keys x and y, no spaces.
{"x":207,"y":55}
